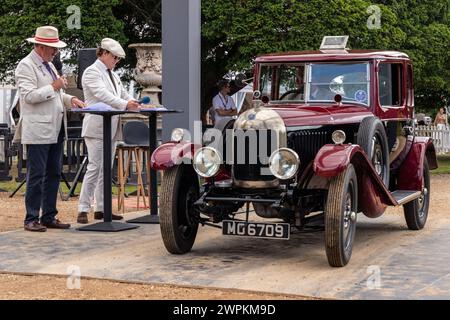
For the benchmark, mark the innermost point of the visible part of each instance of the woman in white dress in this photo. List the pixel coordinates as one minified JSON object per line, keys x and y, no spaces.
{"x":441,"y":121}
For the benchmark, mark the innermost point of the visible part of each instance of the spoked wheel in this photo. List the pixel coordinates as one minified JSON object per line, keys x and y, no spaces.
{"x":179,"y":190}
{"x":340,"y":217}
{"x":416,"y":211}
{"x":372,"y":138}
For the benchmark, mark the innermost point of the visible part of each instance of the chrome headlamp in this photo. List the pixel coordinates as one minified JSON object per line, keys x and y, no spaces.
{"x":179,"y":134}
{"x":207,"y":162}
{"x":284,"y":163}
{"x":338,"y":137}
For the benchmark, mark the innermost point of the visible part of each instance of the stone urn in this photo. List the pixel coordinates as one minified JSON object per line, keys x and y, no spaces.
{"x":148,"y":69}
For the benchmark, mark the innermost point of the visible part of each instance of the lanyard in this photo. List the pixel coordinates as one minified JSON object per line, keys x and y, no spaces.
{"x":224,"y":102}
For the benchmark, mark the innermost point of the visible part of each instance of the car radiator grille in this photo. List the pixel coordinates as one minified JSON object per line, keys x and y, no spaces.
{"x":248,"y":170}
{"x":307,"y":143}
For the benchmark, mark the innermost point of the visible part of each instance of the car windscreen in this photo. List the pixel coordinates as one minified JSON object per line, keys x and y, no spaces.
{"x":350,"y":80}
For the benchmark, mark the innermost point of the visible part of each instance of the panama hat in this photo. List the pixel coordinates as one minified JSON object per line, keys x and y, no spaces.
{"x":48,"y":36}
{"x":113,"y":46}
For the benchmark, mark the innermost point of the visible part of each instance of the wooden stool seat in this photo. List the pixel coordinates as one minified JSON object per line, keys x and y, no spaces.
{"x":136,"y":145}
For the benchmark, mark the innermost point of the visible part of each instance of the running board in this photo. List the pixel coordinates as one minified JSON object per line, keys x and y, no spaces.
{"x":405,"y":196}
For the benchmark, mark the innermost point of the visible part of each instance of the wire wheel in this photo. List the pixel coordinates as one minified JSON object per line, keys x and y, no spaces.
{"x":340,"y":217}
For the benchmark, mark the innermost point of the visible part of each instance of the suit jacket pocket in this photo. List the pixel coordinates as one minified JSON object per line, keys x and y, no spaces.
{"x":39,"y":126}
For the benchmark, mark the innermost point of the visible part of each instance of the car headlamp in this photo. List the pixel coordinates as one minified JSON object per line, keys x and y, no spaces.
{"x":338,"y":137}
{"x":207,"y":162}
{"x":284,"y":163}
{"x":179,"y":134}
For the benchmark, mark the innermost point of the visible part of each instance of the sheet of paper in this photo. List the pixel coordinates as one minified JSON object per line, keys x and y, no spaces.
{"x":154,"y":109}
{"x":100,"y":106}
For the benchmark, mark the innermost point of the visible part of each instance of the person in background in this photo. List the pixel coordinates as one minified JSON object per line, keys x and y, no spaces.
{"x":223,"y":106}
{"x":101,"y":84}
{"x":442,"y":136}
{"x":42,"y":127}
{"x":441,"y":119}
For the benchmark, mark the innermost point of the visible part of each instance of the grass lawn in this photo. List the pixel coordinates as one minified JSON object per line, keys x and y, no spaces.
{"x":443,"y":165}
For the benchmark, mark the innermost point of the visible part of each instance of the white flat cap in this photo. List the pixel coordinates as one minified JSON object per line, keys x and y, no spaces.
{"x":113,"y":46}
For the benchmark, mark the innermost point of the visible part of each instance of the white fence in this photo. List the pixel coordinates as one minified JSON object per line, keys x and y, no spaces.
{"x":441,"y":136}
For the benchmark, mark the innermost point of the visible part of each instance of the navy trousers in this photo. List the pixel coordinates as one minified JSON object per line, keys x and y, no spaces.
{"x":44,"y":165}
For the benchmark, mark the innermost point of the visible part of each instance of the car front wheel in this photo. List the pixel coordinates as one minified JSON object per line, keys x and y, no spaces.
{"x":179,"y":191}
{"x":340,"y":217}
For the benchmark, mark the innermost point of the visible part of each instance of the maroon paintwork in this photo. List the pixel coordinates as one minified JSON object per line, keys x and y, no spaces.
{"x":171,"y":153}
{"x":405,"y":111}
{"x":333,"y":159}
{"x":410,"y":175}
{"x":304,"y":115}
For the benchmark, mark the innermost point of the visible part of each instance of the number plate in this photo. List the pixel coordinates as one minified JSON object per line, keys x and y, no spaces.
{"x":254,"y":229}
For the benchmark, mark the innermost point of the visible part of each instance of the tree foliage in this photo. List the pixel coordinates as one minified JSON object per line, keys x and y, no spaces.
{"x":427,"y":28}
{"x":141,"y":23}
{"x":236,"y":31}
{"x":20,"y":18}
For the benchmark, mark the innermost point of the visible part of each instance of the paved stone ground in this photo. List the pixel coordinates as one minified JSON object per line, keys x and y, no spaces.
{"x":411,"y":264}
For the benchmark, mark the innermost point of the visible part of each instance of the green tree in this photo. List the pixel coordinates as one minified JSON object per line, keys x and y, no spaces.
{"x":427,"y":28}
{"x":235,"y":31}
{"x":19,"y":20}
{"x":141,"y":23}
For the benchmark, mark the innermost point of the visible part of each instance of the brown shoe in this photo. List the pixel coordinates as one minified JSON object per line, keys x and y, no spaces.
{"x":99,"y":215}
{"x":34,"y":226}
{"x":56,"y":224}
{"x":82,"y":217}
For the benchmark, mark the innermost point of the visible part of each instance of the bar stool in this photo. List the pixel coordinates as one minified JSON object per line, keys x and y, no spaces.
{"x":135,"y":144}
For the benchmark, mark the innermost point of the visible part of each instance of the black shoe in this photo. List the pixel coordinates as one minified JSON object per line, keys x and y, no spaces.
{"x":56,"y":224}
{"x":34,"y":226}
{"x":82,"y":217}
{"x":99,"y":215}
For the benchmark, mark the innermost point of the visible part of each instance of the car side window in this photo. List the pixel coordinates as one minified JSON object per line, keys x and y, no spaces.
{"x":266,"y":75}
{"x":390,"y":84}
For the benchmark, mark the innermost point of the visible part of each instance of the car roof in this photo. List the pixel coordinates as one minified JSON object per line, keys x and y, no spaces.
{"x":332,"y":55}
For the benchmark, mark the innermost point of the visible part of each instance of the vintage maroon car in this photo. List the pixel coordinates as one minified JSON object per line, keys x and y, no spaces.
{"x":330,"y":135}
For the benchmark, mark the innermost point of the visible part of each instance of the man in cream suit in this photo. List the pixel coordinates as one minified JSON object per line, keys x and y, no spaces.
{"x":42,"y":127}
{"x":101,"y":84}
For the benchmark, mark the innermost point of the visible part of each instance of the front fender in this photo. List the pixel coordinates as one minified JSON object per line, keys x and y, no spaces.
{"x":373,"y":195}
{"x":410,"y":175}
{"x":170,"y":154}
{"x":332,"y":159}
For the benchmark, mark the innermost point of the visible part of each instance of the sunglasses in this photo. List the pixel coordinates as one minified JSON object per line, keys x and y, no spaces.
{"x":115,"y":57}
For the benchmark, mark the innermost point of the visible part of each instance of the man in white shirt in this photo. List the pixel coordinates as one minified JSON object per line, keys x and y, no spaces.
{"x":101,"y":84}
{"x":223,"y":105}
